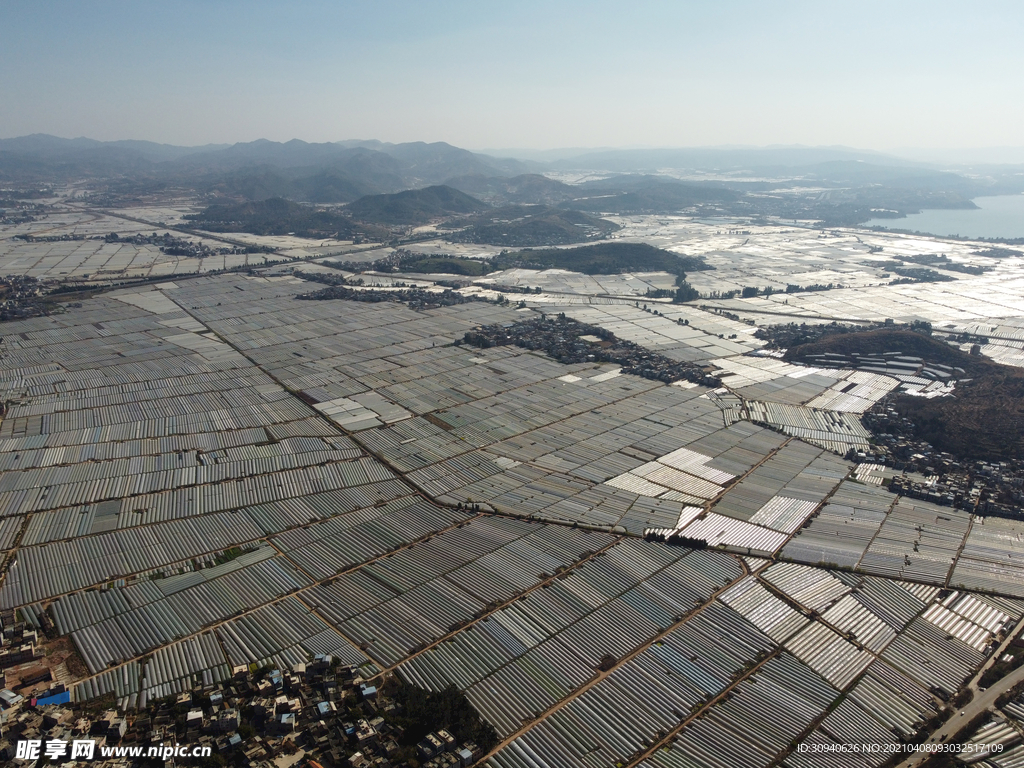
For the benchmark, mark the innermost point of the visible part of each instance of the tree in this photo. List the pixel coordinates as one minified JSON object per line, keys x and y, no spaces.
{"x":685,"y":292}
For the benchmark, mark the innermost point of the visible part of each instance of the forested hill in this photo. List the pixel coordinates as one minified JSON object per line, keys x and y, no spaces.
{"x":414,"y":206}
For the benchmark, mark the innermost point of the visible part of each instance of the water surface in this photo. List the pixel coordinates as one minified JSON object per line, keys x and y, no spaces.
{"x":1001,"y":216}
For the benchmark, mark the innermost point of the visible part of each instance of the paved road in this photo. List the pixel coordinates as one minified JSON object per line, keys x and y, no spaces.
{"x":982,"y":700}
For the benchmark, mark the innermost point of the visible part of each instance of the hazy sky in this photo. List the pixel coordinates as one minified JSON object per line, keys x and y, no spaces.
{"x":518,"y":74}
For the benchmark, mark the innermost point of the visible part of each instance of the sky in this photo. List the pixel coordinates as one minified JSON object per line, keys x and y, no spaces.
{"x":524,"y":74}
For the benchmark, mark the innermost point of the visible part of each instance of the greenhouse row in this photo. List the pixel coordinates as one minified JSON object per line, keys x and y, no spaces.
{"x":645,"y":697}
{"x":133,"y":631}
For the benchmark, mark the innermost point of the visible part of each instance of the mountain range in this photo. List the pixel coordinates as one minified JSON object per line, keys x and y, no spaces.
{"x":741,"y":180}
{"x":269,"y":168}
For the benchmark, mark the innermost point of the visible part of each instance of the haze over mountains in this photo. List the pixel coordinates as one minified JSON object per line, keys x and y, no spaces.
{"x":737,"y":180}
{"x":385,"y":165}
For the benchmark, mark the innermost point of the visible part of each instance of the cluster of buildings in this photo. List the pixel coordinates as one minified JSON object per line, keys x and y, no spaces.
{"x":16,"y":216}
{"x":986,"y":488}
{"x":570,"y":342}
{"x":19,"y":644}
{"x":168,"y":243}
{"x":319,"y":712}
{"x":35,"y":721}
{"x":32,"y":703}
{"x":441,"y":750}
{"x":20,"y":297}
{"x":389,"y":263}
{"x":788,"y":335}
{"x":178,"y":246}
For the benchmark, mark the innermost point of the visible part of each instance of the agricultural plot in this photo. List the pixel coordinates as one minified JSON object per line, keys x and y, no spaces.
{"x":526,"y":657}
{"x":845,"y":527}
{"x":514,"y":430}
{"x":965,"y":300}
{"x":677,"y":332}
{"x":834,"y":431}
{"x":263,"y":608}
{"x":776,"y":256}
{"x":90,"y":258}
{"x":556,"y":281}
{"x":798,"y":653}
{"x":991,"y":556}
{"x":210,"y":474}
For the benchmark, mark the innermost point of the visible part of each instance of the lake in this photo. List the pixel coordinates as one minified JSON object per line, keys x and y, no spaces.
{"x":1001,"y":216}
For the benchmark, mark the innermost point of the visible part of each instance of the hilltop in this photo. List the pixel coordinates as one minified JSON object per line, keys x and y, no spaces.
{"x":605,"y":259}
{"x":414,"y":206}
{"x":647,"y":194}
{"x":276,"y":216}
{"x":327,"y":186}
{"x":840,"y":340}
{"x":525,"y":188}
{"x":523,"y":225}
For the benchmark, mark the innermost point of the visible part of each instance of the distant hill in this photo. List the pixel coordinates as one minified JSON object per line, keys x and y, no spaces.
{"x":329,"y":186}
{"x":449,"y":265}
{"x":434,"y":163}
{"x":375,"y":165}
{"x":276,"y":216}
{"x":530,"y":188}
{"x":786,"y":180}
{"x":416,"y":162}
{"x":844,"y":173}
{"x":604,"y":259}
{"x":647,"y":194}
{"x":260,"y":183}
{"x":42,"y":144}
{"x":376,"y":170}
{"x":414,"y":206}
{"x":45,"y":158}
{"x":529,"y":226}
{"x":715,"y":158}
